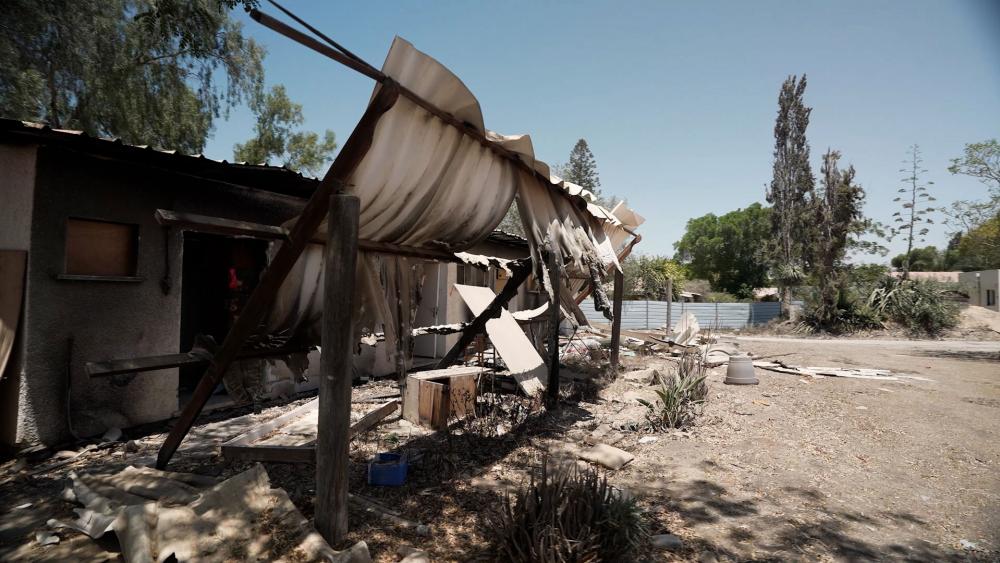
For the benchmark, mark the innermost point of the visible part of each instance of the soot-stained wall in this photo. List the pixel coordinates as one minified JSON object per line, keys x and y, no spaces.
{"x":69,"y":322}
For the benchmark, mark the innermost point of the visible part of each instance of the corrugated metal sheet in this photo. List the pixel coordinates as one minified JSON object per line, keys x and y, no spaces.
{"x":653,"y":314}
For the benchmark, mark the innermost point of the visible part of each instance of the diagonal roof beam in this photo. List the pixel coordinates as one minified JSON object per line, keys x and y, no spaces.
{"x":356,"y":63}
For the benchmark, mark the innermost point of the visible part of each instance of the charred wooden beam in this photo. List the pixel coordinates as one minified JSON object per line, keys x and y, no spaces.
{"x":229,"y":227}
{"x":152,"y":363}
{"x":616,"y":322}
{"x":552,"y":389}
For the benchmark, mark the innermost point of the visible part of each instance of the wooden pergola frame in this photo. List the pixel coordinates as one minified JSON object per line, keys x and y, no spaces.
{"x":341,"y":210}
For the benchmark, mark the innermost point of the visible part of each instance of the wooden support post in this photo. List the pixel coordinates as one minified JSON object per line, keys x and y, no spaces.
{"x":670,"y":301}
{"x":552,"y":391}
{"x":616,"y":323}
{"x":263,"y":296}
{"x":336,"y":367}
{"x":521,"y":273}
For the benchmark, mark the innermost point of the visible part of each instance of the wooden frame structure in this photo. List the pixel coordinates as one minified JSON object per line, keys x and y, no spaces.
{"x":342,"y":245}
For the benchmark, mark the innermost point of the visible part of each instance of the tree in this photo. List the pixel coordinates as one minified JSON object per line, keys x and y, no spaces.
{"x":837,"y":217}
{"x":981,"y":160}
{"x":648,"y":276}
{"x":791,"y":182}
{"x":926,"y":259}
{"x":147,"y":71}
{"x":729,"y":251}
{"x":974,"y":222}
{"x":277,"y":116}
{"x":581,"y":169}
{"x":979,"y":249}
{"x":915,"y":209}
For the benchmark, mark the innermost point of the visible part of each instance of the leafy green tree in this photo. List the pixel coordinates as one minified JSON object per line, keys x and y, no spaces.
{"x":791,"y":183}
{"x":276,"y":138}
{"x":926,"y":259}
{"x":915,"y":212}
{"x":647,"y":276}
{"x":973,"y":222}
{"x":837,"y":217}
{"x":729,"y":251}
{"x":146,"y":71}
{"x":979,"y":249}
{"x":981,"y":160}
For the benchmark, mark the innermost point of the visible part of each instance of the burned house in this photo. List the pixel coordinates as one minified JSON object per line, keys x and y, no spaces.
{"x":91,"y":275}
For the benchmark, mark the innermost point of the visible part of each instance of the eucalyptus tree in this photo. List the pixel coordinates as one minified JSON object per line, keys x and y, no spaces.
{"x":147,"y":71}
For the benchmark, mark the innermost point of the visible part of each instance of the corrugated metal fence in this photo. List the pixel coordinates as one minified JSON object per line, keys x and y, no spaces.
{"x":653,"y":314}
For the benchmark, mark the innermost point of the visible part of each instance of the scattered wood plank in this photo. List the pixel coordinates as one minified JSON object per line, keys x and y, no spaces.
{"x":373,"y":417}
{"x":247,"y":446}
{"x":816,"y":372}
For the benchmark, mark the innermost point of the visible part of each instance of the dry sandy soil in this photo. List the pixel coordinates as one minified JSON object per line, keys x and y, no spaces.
{"x":791,"y":469}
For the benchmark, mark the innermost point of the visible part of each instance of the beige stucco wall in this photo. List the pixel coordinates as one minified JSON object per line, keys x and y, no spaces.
{"x":978,"y":283}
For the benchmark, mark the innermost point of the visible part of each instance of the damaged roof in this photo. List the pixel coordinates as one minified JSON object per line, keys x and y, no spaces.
{"x":277,"y":179}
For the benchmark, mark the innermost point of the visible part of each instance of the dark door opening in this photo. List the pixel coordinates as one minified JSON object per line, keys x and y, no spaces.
{"x":219,"y":274}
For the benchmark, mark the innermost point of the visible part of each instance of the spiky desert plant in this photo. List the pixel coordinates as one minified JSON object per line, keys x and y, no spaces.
{"x":569,"y":515}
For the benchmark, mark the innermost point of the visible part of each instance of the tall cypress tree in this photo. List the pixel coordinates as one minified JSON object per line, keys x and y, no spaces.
{"x":792,"y":182}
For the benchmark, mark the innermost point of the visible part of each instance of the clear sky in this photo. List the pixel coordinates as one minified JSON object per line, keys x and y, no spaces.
{"x":677,"y":99}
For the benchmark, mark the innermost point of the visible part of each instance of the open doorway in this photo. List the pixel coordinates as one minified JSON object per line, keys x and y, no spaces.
{"x":219,"y":274}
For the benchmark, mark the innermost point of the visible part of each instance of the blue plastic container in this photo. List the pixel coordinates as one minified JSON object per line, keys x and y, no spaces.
{"x":387,"y":470}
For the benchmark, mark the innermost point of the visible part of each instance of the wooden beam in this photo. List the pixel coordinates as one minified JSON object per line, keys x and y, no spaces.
{"x":219,"y":226}
{"x":521,"y":273}
{"x":271,"y":453}
{"x":108,"y":368}
{"x":552,"y":391}
{"x":337,"y":368}
{"x":616,"y":322}
{"x":263,"y":296}
{"x":373,"y":417}
{"x":261,"y":430}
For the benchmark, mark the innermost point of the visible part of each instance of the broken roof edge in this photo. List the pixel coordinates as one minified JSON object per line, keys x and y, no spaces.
{"x":264,"y":177}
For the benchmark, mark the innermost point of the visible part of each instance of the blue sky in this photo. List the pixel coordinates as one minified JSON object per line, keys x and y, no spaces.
{"x":677,"y":99}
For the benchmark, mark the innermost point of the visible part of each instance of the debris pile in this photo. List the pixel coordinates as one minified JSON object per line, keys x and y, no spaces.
{"x":159,"y":515}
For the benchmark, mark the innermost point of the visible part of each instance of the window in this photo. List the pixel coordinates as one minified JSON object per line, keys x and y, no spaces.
{"x":101,"y":249}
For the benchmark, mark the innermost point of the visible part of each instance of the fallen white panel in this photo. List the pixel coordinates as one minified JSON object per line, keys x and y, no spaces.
{"x":524,"y":363}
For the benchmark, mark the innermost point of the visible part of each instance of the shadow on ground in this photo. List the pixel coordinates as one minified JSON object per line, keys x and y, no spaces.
{"x":805,"y":528}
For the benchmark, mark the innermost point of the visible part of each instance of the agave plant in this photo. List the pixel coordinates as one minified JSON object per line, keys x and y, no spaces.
{"x":569,"y":515}
{"x":679,"y":395}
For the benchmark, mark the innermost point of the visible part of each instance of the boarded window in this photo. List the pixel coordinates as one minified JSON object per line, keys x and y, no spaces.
{"x":101,"y":248}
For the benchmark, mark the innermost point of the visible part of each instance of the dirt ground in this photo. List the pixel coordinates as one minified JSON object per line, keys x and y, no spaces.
{"x":791,"y":469}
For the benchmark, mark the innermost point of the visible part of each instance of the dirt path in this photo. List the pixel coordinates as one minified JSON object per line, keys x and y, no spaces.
{"x":797,"y":469}
{"x":837,"y":468}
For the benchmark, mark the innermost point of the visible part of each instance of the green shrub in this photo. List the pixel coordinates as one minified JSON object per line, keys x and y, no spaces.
{"x":849,"y":314}
{"x":568,"y":515}
{"x":922,"y":306}
{"x":680,"y":395}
